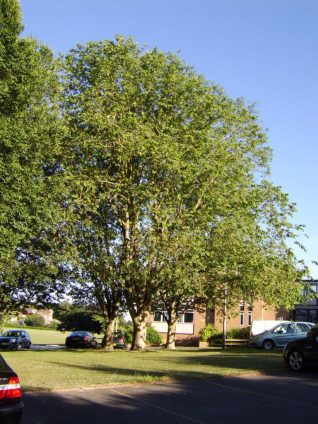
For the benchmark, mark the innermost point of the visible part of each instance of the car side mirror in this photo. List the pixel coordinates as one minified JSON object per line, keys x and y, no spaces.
{"x":280,"y":331}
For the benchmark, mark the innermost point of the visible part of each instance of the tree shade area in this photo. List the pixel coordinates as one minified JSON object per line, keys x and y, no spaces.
{"x":132,"y":183}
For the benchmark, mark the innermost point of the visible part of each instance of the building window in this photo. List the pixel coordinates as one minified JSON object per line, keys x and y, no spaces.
{"x":249,"y":315}
{"x":242,"y":313}
{"x":157,"y":316}
{"x":186,"y":318}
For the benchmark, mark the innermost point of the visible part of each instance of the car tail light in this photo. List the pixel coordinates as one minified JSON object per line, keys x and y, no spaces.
{"x":120,"y":340}
{"x":11,"y":390}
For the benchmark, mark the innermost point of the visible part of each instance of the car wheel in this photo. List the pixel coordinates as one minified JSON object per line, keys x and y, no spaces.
{"x":268,"y":345}
{"x":296,"y":360}
{"x":30,"y":344}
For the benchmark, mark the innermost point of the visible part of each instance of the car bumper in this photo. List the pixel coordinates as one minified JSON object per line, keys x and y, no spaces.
{"x":11,"y":409}
{"x":256,"y":343}
{"x":9,"y":346}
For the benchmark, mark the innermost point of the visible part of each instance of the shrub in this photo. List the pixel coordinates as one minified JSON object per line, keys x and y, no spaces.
{"x":35,"y":320}
{"x":238,"y":333}
{"x":153,"y":337}
{"x":208,"y":333}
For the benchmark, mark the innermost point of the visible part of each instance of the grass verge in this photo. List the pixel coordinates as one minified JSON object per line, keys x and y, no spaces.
{"x":49,"y":370}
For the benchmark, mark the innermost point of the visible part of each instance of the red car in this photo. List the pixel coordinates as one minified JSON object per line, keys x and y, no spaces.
{"x":11,"y":405}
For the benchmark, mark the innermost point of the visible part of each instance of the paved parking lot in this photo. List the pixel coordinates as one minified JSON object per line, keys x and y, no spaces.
{"x":288,"y":398}
{"x":47,"y":347}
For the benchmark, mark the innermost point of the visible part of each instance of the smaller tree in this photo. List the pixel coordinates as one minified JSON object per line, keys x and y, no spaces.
{"x":35,"y":320}
{"x":80,"y":320}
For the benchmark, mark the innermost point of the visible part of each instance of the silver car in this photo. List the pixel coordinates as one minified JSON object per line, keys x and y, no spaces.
{"x":281,"y":334}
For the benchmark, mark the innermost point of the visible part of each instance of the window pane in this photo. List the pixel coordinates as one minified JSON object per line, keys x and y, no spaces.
{"x":303,"y":328}
{"x":313,"y":315}
{"x":278,"y":329}
{"x":157,"y":316}
{"x":188,"y":317}
{"x":301,"y":315}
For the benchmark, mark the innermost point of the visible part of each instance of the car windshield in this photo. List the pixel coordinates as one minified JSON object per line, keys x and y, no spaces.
{"x":79,"y":333}
{"x":12,"y":334}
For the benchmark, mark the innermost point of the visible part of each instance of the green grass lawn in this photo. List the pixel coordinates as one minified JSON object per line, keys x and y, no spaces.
{"x":48,"y":370}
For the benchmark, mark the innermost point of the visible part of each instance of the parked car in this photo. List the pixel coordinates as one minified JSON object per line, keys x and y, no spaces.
{"x":119,"y":341}
{"x":81,"y":339}
{"x":300,"y":353}
{"x":11,"y":405}
{"x":15,"y":339}
{"x":281,"y":334}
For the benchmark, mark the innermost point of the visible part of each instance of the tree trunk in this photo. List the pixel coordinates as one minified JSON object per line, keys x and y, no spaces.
{"x":140,"y":331}
{"x":224,"y":320}
{"x":170,"y":344}
{"x":109,"y":330}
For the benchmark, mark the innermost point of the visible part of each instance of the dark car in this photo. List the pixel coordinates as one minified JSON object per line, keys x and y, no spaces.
{"x":11,"y":405}
{"x":303,"y":352}
{"x":81,"y":339}
{"x":119,"y":341}
{"x":15,"y":339}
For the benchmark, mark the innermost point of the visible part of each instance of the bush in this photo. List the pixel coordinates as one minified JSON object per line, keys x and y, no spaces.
{"x":35,"y":320}
{"x":208,"y":332}
{"x":238,"y":333}
{"x":153,"y":337}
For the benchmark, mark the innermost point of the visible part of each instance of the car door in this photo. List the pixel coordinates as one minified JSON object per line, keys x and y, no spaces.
{"x":284,"y":334}
{"x":301,"y":330}
{"x":310,"y":346}
{"x":24,"y":339}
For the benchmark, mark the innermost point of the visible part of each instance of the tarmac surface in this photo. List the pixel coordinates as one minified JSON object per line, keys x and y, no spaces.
{"x":285,"y":398}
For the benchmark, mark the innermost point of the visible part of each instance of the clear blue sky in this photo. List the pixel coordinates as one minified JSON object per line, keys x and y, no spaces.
{"x":263,"y":50}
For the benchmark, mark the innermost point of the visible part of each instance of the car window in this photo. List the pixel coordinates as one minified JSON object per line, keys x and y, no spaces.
{"x":280,"y":329}
{"x":79,"y":333}
{"x":290,"y":328}
{"x":12,"y":334}
{"x":301,"y":327}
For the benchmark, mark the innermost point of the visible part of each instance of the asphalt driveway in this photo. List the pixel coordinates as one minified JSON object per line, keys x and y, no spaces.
{"x":285,"y":398}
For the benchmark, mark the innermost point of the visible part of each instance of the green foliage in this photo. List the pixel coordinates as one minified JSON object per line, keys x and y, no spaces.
{"x":153,"y":337}
{"x":238,"y":333}
{"x":211,"y":333}
{"x":127,"y":329}
{"x":208,"y":332}
{"x":80,"y":320}
{"x":35,"y":320}
{"x":162,"y":179}
{"x":29,"y":132}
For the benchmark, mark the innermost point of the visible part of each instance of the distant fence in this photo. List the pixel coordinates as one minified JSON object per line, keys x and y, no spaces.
{"x":230,"y":342}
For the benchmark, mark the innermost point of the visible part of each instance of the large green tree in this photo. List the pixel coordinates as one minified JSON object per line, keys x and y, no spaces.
{"x":163,"y":151}
{"x":28,"y":144}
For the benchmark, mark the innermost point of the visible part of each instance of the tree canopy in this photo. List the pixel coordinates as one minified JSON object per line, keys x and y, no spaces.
{"x":134,"y":178}
{"x":158,"y":160}
{"x":28,"y":144}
